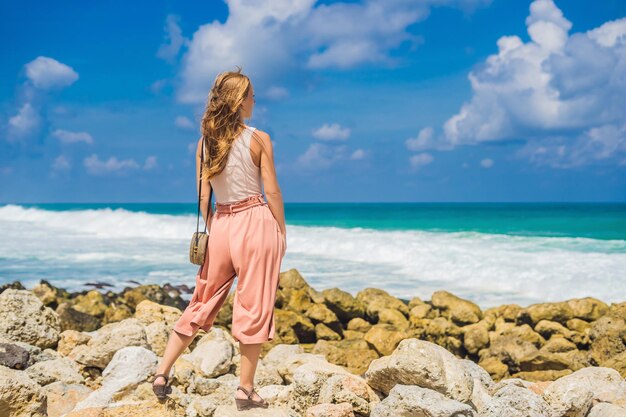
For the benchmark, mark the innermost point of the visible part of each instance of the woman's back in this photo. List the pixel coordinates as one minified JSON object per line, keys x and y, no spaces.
{"x":241,"y":178}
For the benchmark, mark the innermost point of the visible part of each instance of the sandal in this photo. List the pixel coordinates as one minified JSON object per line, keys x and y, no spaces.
{"x":247,"y":403}
{"x":161,"y":390}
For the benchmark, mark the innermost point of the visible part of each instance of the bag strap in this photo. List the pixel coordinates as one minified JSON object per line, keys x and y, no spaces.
{"x":208,"y":211}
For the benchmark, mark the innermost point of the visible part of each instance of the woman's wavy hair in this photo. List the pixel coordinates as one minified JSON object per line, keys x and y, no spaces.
{"x":222,"y":121}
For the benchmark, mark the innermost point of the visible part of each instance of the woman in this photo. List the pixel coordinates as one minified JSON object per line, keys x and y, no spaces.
{"x":247,"y":235}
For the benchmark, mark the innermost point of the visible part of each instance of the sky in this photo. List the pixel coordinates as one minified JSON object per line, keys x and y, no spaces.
{"x":381,"y":101}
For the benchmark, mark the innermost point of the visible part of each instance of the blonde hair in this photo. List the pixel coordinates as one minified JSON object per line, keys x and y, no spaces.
{"x":222,"y":121}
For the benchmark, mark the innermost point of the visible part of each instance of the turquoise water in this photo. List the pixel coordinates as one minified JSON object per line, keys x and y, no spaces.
{"x":590,"y":220}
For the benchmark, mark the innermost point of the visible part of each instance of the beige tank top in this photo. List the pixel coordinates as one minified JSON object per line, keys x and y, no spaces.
{"x":240,"y":178}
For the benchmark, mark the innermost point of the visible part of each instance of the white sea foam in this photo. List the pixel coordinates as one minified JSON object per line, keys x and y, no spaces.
{"x":71,"y":248}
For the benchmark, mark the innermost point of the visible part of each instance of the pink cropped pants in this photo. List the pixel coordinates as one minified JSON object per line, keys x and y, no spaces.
{"x":244,"y":241}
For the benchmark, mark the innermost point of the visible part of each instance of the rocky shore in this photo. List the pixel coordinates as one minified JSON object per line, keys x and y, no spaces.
{"x":93,"y":353}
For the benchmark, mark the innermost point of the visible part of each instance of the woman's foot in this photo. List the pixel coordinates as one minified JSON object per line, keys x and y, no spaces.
{"x":160,"y":386}
{"x":242,"y":395}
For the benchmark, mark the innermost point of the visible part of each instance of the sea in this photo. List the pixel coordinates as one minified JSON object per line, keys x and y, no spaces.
{"x":489,"y":253}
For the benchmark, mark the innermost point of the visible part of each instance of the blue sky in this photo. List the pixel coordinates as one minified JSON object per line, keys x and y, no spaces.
{"x":453,"y":100}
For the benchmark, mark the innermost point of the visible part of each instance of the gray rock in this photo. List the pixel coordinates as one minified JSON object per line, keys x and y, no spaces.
{"x":62,"y":369}
{"x":414,"y":401}
{"x":24,"y":318}
{"x":109,"y":339}
{"x":606,"y":410}
{"x":421,"y":363}
{"x":20,"y":395}
{"x":128,"y":367}
{"x":514,"y":401}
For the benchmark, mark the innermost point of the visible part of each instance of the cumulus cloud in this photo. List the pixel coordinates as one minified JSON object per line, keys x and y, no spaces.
{"x":174,"y":39}
{"x":486,"y":163}
{"x":48,"y":73}
{"x":320,"y":155}
{"x":271,"y":38}
{"x":65,"y":136}
{"x":358,"y":154}
{"x":96,"y":166}
{"x":420,"y":160}
{"x":24,"y":123}
{"x":277,"y":93}
{"x":563,"y":94}
{"x":331,"y":132}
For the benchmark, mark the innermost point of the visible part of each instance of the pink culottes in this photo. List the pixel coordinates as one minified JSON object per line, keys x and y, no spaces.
{"x":244,"y":241}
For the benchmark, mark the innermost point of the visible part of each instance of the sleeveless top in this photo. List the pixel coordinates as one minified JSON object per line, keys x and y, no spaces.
{"x":240,"y":178}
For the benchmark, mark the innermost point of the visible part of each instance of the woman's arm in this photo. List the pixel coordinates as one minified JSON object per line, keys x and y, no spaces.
{"x":270,"y":182}
{"x":206,"y":186}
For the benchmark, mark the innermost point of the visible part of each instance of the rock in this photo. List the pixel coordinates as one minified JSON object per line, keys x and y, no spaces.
{"x":319,"y":313}
{"x":92,"y":303}
{"x":359,"y":325}
{"x":330,"y":410}
{"x":292,"y":327}
{"x":354,"y":354}
{"x":393,"y":317}
{"x":70,"y":339}
{"x":543,"y":359}
{"x":148,"y":312}
{"x":374,"y":300}
{"x":323,"y":332}
{"x":607,"y":339}
{"x":24,"y":318}
{"x":556,"y":311}
{"x":547,"y":328}
{"x":298,"y":300}
{"x":538,"y":376}
{"x":292,"y":279}
{"x":61,"y":397}
{"x":511,"y":343}
{"x":456,"y":309}
{"x":476,"y":336}
{"x":418,"y":362}
{"x":410,"y":400}
{"x":578,"y":325}
{"x":62,"y":369}
{"x":308,"y":380}
{"x":514,"y":401}
{"x":566,"y":394}
{"x":617,"y":362}
{"x":107,"y":340}
{"x":19,"y":394}
{"x":343,"y":304}
{"x":606,"y":410}
{"x":496,"y":369}
{"x":131,"y":297}
{"x":128,"y":367}
{"x":351,"y":389}
{"x":13,"y":356}
{"x":444,"y":333}
{"x":384,"y":338}
{"x":588,"y":308}
{"x":49,"y":295}
{"x":483,"y":384}
{"x":213,"y":355}
{"x":421,"y":311}
{"x":71,"y":319}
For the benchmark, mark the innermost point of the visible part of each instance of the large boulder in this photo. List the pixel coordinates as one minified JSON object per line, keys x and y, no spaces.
{"x":511,"y":400}
{"x":20,"y":395}
{"x":374,"y":300}
{"x":422,"y":363}
{"x":588,"y":308}
{"x":24,"y":318}
{"x":557,"y":311}
{"x":411,"y":400}
{"x":343,"y":304}
{"x":99,"y":350}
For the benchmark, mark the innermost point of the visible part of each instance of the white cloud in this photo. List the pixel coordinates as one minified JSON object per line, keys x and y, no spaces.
{"x":151,"y":163}
{"x":331,"y":132}
{"x":486,"y":163}
{"x":98,"y":167}
{"x":174,"y":39}
{"x":420,"y":160}
{"x":184,"y":122}
{"x":358,"y":154}
{"x":61,"y":163}
{"x":277,"y":93}
{"x":563,"y":94}
{"x":24,"y":123}
{"x":268,"y":39}
{"x":65,"y":136}
{"x":319,"y":155}
{"x":48,"y":73}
